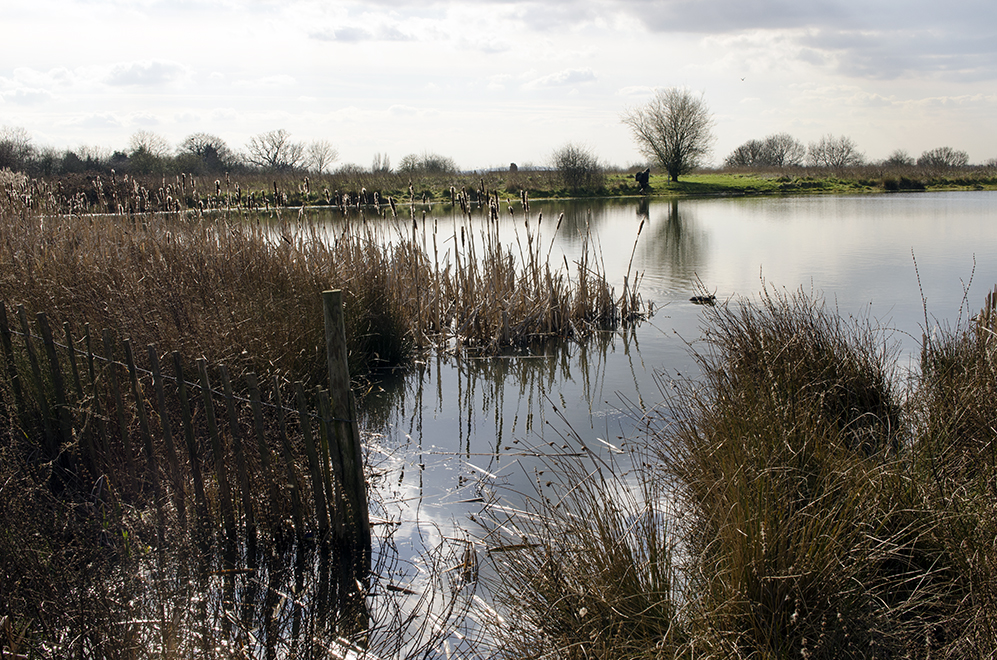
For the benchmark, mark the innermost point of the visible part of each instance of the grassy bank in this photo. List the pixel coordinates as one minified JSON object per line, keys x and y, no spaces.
{"x":803,"y":499}
{"x":382,"y":193}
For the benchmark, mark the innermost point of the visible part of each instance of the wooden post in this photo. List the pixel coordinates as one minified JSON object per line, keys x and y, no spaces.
{"x":224,"y":490}
{"x":292,"y":475}
{"x":167,"y":429}
{"x":86,"y":431}
{"x":8,"y":351}
{"x":36,"y":376}
{"x":58,"y":382}
{"x":200,"y":500}
{"x":345,"y":417}
{"x":97,"y":406}
{"x":313,"y":465}
{"x":119,"y":404}
{"x":240,"y":457}
{"x":150,"y":452}
{"x":266,"y":455}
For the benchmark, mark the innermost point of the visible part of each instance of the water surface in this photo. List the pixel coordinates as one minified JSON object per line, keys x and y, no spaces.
{"x":906,"y":262}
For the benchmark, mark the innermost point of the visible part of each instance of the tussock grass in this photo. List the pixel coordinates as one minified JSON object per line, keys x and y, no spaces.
{"x":584,"y":567}
{"x":815,"y":505}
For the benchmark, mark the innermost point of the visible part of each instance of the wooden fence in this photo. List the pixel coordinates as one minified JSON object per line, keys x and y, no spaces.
{"x":219,"y":460}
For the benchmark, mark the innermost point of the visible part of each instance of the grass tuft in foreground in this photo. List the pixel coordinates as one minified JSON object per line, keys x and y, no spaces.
{"x":803,"y":505}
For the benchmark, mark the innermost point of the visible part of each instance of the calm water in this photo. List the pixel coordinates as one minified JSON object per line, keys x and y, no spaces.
{"x":450,"y":425}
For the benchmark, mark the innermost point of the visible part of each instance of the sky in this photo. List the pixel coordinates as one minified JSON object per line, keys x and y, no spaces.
{"x":492,"y":82}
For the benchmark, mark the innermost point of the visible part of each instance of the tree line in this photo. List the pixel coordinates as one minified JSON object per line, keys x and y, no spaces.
{"x":198,"y":153}
{"x":673,"y":130}
{"x":150,"y":153}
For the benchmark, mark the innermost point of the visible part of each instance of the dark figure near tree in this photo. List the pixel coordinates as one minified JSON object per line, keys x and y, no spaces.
{"x":643,"y":178}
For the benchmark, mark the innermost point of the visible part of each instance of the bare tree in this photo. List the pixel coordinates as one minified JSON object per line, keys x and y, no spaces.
{"x":899,"y":158}
{"x":150,"y":143}
{"x":275,"y":151}
{"x":834,"y":152}
{"x":674,"y":129}
{"x":381,"y":164}
{"x":783,"y":150}
{"x":321,"y":154}
{"x":578,"y":166}
{"x":749,"y":154}
{"x":427,"y":163}
{"x":16,"y":150}
{"x":943,"y":158}
{"x":148,"y":153}
{"x":206,"y":151}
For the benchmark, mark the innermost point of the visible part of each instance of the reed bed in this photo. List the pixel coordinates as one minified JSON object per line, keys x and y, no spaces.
{"x":91,"y":570}
{"x":801,"y":499}
{"x":244,"y":290}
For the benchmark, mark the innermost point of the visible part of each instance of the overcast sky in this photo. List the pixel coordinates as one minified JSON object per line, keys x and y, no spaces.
{"x":489,"y":82}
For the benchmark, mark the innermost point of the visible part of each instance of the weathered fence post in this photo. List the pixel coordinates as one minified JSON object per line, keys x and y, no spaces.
{"x":146,"y":431}
{"x":8,"y":351}
{"x":36,"y":375}
{"x":288,"y":453}
{"x":112,"y":369}
{"x":313,"y":465}
{"x":98,"y":411}
{"x":266,"y":455}
{"x":240,"y":458}
{"x":357,"y":548}
{"x":200,"y":501}
{"x":344,"y":412}
{"x":224,"y":490}
{"x":167,"y":429}
{"x":58,"y":382}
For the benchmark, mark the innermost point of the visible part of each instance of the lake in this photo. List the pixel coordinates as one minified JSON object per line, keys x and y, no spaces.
{"x":448,"y":431}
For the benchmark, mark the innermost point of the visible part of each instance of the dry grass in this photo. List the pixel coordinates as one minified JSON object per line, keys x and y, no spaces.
{"x":804,"y":506}
{"x":245,"y":290}
{"x":85,"y":573}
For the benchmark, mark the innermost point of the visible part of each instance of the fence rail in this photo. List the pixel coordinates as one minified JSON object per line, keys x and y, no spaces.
{"x":225,"y":462}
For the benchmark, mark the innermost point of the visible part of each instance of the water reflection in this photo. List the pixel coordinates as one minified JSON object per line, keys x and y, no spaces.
{"x":676,"y":247}
{"x":453,"y":420}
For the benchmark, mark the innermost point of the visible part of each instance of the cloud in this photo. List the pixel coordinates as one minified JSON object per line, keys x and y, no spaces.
{"x":27,"y":96}
{"x":877,"y":41}
{"x":97,"y":120}
{"x":280,"y":80}
{"x":145,"y":73}
{"x":403,"y":110}
{"x":893,"y":54}
{"x":638,"y":91}
{"x":357,"y":34}
{"x":718,"y":16}
{"x":562,"y":78}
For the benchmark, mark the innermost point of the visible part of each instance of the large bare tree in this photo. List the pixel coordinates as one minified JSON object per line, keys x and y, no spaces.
{"x":151,"y":143}
{"x":275,"y":151}
{"x":674,"y":129}
{"x":834,"y":152}
{"x":208,"y":152}
{"x":321,"y":154}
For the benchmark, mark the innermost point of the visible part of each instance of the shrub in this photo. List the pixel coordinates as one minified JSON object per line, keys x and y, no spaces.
{"x":577,"y":166}
{"x":943,"y":158}
{"x":427,"y":163}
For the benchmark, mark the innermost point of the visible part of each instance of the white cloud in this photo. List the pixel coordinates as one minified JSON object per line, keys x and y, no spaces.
{"x":403,"y":110}
{"x":145,"y":73}
{"x":565,"y":77}
{"x":27,"y":96}
{"x":279,"y":80}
